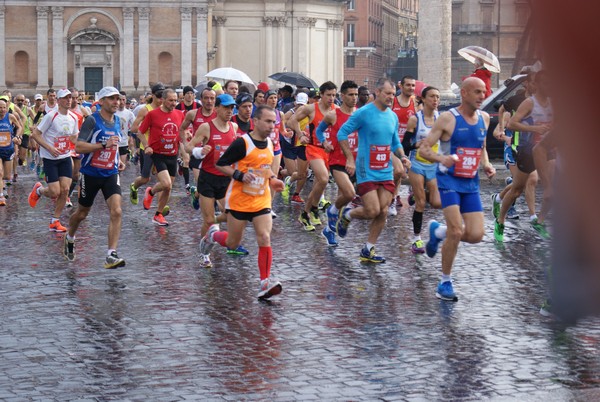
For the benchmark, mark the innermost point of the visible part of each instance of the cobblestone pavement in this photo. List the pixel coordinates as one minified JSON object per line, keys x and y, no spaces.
{"x":162,"y":328}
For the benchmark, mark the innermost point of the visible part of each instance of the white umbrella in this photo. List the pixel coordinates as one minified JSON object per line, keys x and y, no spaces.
{"x":489,"y":59}
{"x":229,"y":73}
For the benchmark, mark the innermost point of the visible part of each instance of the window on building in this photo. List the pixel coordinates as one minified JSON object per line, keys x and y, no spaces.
{"x":350,"y":61}
{"x":351,"y":5}
{"x":350,"y":34}
{"x":21,"y":67}
{"x":165,"y":68}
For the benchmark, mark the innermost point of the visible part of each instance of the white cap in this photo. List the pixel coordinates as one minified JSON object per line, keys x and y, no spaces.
{"x":38,"y":97}
{"x":108,"y":91}
{"x":62,"y":93}
{"x":302,"y":98}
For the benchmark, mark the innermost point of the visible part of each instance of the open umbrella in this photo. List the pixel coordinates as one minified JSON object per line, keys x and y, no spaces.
{"x":297,"y":79}
{"x":489,"y":59}
{"x":229,"y":73}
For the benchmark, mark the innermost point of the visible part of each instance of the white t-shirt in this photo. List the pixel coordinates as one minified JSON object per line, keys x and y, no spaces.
{"x":127,"y":119}
{"x":56,"y":129}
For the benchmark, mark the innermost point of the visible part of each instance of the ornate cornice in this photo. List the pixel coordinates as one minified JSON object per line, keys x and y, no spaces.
{"x":144,"y":13}
{"x":219,"y":21}
{"x":307,"y":22}
{"x":186,"y":13}
{"x":128,"y":13}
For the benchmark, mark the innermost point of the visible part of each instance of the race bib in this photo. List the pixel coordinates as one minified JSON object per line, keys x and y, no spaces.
{"x":219,"y":151}
{"x":401,"y":131}
{"x":62,"y":144}
{"x":379,"y":157}
{"x":104,"y":158}
{"x":258,"y":186}
{"x":468,"y":162}
{"x":353,"y":143}
{"x":5,"y":139}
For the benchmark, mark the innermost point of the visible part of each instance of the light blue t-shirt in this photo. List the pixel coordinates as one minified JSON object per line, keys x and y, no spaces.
{"x":377,"y":139}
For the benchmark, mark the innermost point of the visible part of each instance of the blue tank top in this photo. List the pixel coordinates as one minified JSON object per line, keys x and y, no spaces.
{"x":6,"y":134}
{"x":103,"y":162}
{"x":467,"y":143}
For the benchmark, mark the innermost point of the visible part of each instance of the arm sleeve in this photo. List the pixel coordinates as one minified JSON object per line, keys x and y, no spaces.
{"x":351,"y":125}
{"x":87,"y":129}
{"x":321,"y":131}
{"x":407,"y":141}
{"x":235,"y":152}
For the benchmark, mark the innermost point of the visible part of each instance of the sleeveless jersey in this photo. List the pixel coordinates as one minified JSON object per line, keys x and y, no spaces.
{"x":219,"y":142}
{"x":102,"y":162}
{"x":337,"y":157}
{"x":539,"y":115}
{"x":403,"y":113}
{"x":6,"y":134}
{"x":28,"y":122}
{"x":303,"y":127}
{"x":147,"y":133}
{"x":239,"y":132}
{"x":276,"y":130}
{"x":184,"y":108}
{"x":467,"y":144}
{"x":314,"y":124}
{"x":201,"y":119}
{"x":421,"y":132}
{"x":256,"y":195}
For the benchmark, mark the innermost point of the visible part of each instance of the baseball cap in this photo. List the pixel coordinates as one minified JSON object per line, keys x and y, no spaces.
{"x":108,"y":91}
{"x":187,"y":89}
{"x":243,"y":98}
{"x":313,"y":94}
{"x":302,"y":98}
{"x":158,"y":87}
{"x":224,"y":100}
{"x":38,"y":97}
{"x":269,"y":93}
{"x":263,"y":86}
{"x":62,"y":93}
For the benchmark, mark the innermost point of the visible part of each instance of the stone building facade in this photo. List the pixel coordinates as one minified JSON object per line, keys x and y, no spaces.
{"x":133,"y":44}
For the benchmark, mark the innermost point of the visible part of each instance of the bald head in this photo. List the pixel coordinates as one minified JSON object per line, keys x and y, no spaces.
{"x":472,"y":82}
{"x":472,"y":93}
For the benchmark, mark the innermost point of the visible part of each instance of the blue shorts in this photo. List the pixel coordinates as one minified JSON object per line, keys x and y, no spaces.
{"x":509,"y":157}
{"x":288,"y":150}
{"x":55,"y":168}
{"x":468,"y":202}
{"x":423,"y":169}
{"x":7,"y":155}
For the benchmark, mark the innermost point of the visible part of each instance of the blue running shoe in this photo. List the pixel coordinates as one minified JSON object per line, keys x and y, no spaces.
{"x":330,"y":236}
{"x":370,"y":256}
{"x":332,"y":219}
{"x":512,"y":213}
{"x":432,"y":245}
{"x":341,"y":227}
{"x":446,"y":292}
{"x":195,"y":201}
{"x":238,"y":251}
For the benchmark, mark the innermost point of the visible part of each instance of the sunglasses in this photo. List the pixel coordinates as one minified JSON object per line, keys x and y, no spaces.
{"x":158,"y":94}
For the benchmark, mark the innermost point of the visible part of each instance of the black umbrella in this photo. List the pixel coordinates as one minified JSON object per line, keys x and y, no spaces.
{"x":297,"y":79}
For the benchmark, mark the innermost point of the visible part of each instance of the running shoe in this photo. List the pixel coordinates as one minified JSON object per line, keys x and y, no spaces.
{"x":370,"y":256}
{"x":508,"y":180}
{"x":207,"y":243}
{"x":285,"y":194}
{"x":324,"y":204}
{"x":57,"y":227}
{"x":133,"y":194}
{"x":160,"y":220}
{"x":32,"y":165}
{"x":305,"y":221}
{"x":296,"y":199}
{"x":33,"y":195}
{"x":411,"y":198}
{"x":392,"y":211}
{"x":445,"y":291}
{"x":195,"y":200}
{"x":417,"y":247}
{"x":113,"y":261}
{"x":332,"y":218}
{"x":166,"y":210}
{"x":496,"y":205}
{"x":180,"y":166}
{"x":205,"y":261}
{"x":2,"y":201}
{"x":329,"y":236}
{"x":541,"y":229}
{"x":273,"y":214}
{"x":313,"y":216}
{"x":546,"y":309}
{"x":432,"y":245}
{"x":69,"y":204}
{"x":512,"y":213}
{"x":498,"y":231}
{"x":69,"y":249}
{"x":147,"y":201}
{"x":268,"y":288}
{"x":188,"y":189}
{"x":341,"y":227}
{"x":240,"y":250}
{"x":356,"y":201}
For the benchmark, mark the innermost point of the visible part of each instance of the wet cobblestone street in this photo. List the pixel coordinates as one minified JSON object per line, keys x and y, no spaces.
{"x":162,"y":328}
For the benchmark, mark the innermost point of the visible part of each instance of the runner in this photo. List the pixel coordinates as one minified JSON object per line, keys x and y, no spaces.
{"x":98,"y":142}
{"x":248,"y":161}
{"x":26,"y":123}
{"x":126,"y":118}
{"x":162,"y":145}
{"x":461,"y":132}
{"x":278,"y":129}
{"x":377,"y":127}
{"x":332,"y":122}
{"x":189,"y":103}
{"x":422,"y":172}
{"x":289,"y":149}
{"x":210,"y":141}
{"x":81,"y":114}
{"x":11,"y":133}
{"x":54,"y":133}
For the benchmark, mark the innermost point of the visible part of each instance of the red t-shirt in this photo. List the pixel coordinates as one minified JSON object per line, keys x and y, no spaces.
{"x":164,"y":131}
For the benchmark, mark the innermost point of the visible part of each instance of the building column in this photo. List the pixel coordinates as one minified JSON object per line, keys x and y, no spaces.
{"x":304,"y":42}
{"x":127,"y":63}
{"x":435,"y":44}
{"x":2,"y":46}
{"x":331,"y":50}
{"x":42,"y":48}
{"x":59,"y":74}
{"x":281,"y":44}
{"x":268,"y":21}
{"x":143,"y":49}
{"x":186,"y":45}
{"x":201,"y":43}
{"x":221,"y":51}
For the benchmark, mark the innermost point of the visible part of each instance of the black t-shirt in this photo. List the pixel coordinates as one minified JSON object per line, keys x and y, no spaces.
{"x":244,"y":126}
{"x":237,"y":151}
{"x":512,"y":104}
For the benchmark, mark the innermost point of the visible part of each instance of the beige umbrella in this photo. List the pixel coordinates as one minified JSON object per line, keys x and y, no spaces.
{"x":474,"y":53}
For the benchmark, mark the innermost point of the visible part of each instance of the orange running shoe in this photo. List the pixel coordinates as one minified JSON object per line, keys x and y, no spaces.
{"x":57,"y":227}
{"x":33,"y":196}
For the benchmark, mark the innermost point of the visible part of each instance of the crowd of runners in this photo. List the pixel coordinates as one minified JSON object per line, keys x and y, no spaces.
{"x":236,"y":150}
